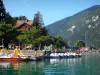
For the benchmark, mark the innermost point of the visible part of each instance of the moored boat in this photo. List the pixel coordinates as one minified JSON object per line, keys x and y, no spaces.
{"x":63,"y":55}
{"x":54,"y":55}
{"x":5,"y":55}
{"x":11,"y":59}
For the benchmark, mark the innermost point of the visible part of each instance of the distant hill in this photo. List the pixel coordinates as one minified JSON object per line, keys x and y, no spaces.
{"x":76,"y":27}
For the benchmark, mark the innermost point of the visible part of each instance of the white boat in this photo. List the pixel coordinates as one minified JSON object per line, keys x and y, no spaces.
{"x":64,"y":55}
{"x":54,"y":55}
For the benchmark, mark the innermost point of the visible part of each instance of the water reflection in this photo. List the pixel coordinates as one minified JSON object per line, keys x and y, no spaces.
{"x":62,"y":66}
{"x":4,"y":65}
{"x":69,"y":62}
{"x":54,"y":61}
{"x":89,"y":64}
{"x":52,"y":66}
{"x":9,"y":68}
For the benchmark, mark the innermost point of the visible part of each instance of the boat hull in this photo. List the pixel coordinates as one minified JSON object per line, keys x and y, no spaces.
{"x":11,"y":59}
{"x":62,"y":56}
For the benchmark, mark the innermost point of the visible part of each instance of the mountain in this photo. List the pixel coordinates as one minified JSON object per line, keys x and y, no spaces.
{"x":84,"y":25}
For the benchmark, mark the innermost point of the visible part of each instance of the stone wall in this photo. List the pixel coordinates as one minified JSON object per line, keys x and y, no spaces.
{"x":31,"y":53}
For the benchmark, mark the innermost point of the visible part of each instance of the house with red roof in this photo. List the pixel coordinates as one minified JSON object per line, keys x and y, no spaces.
{"x":24,"y":24}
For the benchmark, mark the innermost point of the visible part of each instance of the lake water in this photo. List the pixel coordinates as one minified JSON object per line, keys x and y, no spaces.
{"x":89,"y":64}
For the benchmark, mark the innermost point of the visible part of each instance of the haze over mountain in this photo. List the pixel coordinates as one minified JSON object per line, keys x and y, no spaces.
{"x":84,"y":25}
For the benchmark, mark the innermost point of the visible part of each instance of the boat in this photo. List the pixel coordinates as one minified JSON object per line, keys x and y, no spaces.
{"x":63,"y":55}
{"x":54,"y":55}
{"x":6,"y":55}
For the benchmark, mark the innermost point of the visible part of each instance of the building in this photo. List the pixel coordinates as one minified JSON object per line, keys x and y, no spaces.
{"x":84,"y":49}
{"x":23,"y":24}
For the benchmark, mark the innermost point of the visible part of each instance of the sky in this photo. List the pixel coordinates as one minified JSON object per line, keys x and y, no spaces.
{"x":51,"y":10}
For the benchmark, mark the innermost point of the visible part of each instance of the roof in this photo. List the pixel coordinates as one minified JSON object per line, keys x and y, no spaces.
{"x":21,"y":22}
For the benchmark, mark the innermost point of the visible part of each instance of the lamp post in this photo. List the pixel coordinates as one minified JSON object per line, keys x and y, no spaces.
{"x":86,"y":44}
{"x":85,"y":41}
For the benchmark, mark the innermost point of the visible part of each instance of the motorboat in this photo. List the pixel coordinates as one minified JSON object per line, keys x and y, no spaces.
{"x":63,"y":55}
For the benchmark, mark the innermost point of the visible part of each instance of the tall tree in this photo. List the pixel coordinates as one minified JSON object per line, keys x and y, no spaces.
{"x":2,"y":11}
{"x":38,"y":20}
{"x":39,"y":24}
{"x":9,"y":19}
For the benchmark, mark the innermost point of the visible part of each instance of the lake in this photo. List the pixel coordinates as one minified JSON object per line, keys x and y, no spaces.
{"x":88,"y":64}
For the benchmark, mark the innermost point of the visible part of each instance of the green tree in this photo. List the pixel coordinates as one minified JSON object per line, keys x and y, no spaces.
{"x":41,"y":40}
{"x":59,"y":37}
{"x":44,"y":31}
{"x":8,"y":32}
{"x":38,"y":20}
{"x":9,"y":19}
{"x":27,"y":36}
{"x":59,"y":43}
{"x":20,"y":18}
{"x":2,"y":11}
{"x":80,"y":43}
